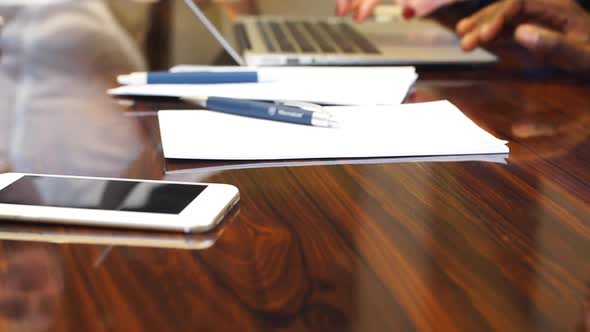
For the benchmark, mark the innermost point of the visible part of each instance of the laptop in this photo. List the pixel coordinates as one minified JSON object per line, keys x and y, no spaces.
{"x":293,"y":41}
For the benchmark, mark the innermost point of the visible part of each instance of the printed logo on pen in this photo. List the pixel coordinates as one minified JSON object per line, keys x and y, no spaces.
{"x":272,"y":110}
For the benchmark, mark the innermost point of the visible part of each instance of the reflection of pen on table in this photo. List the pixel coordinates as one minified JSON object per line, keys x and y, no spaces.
{"x":282,"y":112}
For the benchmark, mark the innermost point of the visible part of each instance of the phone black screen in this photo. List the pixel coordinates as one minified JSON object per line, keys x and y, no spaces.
{"x":115,"y":195}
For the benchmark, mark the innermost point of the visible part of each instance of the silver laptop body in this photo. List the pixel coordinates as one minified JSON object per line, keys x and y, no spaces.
{"x":291,"y":41}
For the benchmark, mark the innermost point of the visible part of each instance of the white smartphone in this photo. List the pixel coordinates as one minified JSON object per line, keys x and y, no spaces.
{"x":120,"y":203}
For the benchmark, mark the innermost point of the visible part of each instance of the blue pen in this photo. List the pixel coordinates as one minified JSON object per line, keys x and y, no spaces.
{"x":265,"y":110}
{"x":201,"y":77}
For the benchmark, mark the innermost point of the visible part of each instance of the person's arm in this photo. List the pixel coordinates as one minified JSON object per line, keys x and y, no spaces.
{"x":361,"y":9}
{"x":556,"y":30}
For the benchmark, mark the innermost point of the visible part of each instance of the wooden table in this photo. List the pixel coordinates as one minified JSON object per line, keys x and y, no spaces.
{"x":396,"y":246}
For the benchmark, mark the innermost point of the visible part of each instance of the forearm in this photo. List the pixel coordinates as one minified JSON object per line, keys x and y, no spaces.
{"x":482,"y":3}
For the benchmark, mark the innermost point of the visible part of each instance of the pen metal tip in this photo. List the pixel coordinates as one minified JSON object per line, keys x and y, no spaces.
{"x":199,"y":100}
{"x":326,"y":123}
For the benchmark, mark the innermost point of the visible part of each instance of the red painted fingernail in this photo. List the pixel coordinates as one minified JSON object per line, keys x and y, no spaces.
{"x":408,"y":13}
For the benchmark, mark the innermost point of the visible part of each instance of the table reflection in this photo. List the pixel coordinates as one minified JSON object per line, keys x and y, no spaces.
{"x":513,"y":265}
{"x":549,"y":134}
{"x":31,"y":287}
{"x":586,"y":319}
{"x":536,"y":127}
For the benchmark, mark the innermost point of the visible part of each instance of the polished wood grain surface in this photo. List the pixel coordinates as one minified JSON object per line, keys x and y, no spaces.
{"x":371,"y":245}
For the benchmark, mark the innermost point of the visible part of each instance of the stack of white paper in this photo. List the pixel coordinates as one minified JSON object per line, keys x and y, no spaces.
{"x":224,"y":165}
{"x":323,"y":85}
{"x":427,"y":129}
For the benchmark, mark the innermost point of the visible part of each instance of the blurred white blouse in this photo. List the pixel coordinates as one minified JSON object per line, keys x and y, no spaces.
{"x":58,"y":59}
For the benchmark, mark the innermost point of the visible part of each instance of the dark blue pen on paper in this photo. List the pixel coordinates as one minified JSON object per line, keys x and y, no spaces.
{"x":282,"y":112}
{"x":201,"y":77}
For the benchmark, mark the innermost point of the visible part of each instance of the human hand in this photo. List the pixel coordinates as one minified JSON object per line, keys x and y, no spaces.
{"x":556,"y":30}
{"x":361,"y":9}
{"x":423,"y":7}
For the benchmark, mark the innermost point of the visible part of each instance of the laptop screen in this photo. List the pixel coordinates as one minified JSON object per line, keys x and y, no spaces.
{"x":228,"y":44}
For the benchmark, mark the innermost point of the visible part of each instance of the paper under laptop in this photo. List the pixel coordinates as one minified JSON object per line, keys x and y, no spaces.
{"x":323,"y":85}
{"x":425,"y":129}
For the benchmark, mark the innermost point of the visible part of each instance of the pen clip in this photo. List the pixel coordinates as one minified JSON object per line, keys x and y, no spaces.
{"x":303,"y":105}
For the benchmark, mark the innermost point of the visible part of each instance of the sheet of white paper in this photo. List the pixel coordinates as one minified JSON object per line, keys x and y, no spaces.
{"x":324,"y":85}
{"x":427,"y":129}
{"x":305,"y":72}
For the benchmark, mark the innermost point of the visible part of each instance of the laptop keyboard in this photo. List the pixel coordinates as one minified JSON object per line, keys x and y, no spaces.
{"x":292,"y":36}
{"x":280,"y":35}
{"x":265,"y":37}
{"x":358,"y":39}
{"x":296,"y":30}
{"x":321,"y":42}
{"x":242,"y":37}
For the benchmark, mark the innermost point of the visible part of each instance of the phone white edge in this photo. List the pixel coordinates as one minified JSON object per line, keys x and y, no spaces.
{"x":204,"y":213}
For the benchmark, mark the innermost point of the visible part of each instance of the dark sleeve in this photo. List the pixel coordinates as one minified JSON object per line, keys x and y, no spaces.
{"x":483,"y":3}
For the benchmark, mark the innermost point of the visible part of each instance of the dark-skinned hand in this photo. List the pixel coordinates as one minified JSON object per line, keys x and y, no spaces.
{"x":557,"y":31}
